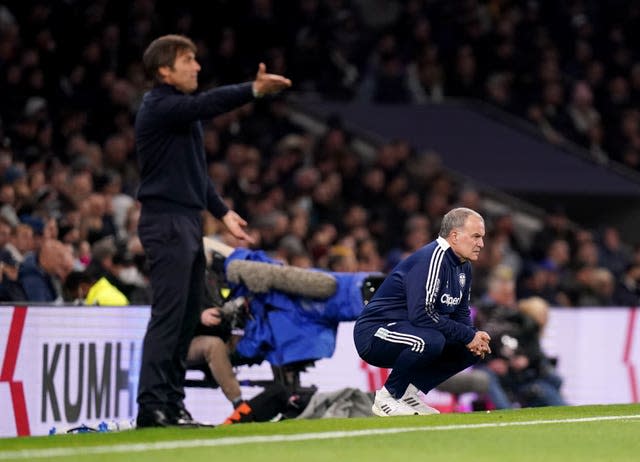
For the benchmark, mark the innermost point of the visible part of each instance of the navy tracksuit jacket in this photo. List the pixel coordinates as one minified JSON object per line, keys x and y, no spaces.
{"x":418,"y":322}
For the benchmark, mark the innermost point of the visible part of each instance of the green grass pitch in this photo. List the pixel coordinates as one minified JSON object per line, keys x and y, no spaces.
{"x":567,"y":434}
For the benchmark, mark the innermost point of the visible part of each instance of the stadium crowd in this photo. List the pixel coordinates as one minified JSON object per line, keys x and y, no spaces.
{"x":71,"y":81}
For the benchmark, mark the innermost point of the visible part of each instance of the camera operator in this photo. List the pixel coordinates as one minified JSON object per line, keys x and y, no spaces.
{"x":520,"y":372}
{"x":214,"y":342}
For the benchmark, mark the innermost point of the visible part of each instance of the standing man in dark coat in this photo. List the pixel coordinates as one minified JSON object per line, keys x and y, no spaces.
{"x":174,"y":190}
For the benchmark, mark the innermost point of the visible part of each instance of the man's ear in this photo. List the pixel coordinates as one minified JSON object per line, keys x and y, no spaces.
{"x":163,"y":72}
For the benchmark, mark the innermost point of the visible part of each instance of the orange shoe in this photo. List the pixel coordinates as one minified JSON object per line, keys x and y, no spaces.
{"x":242,"y":414}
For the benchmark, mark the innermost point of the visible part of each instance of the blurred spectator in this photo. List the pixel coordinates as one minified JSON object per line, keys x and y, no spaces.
{"x":503,"y":235}
{"x":369,"y":258}
{"x":118,"y":202}
{"x":385,"y":81}
{"x":66,"y":123}
{"x":586,"y":255}
{"x":470,"y":197}
{"x":84,"y":289}
{"x":583,"y":116}
{"x":598,"y":289}
{"x":425,"y":78}
{"x":556,"y":226}
{"x":272,"y":227}
{"x":97,"y":220}
{"x":10,"y":289}
{"x":464,"y":81}
{"x":613,"y":254}
{"x":8,"y":201}
{"x":557,"y":258}
{"x":102,"y":256}
{"x":290,"y":248}
{"x":342,"y":259}
{"x":500,"y":294}
{"x":21,"y":242}
{"x":499,"y":92}
{"x":113,"y":261}
{"x":537,"y":309}
{"x":5,"y":232}
{"x":542,"y":122}
{"x":521,"y":372}
{"x":627,"y":290}
{"x":42,"y":273}
{"x":416,"y":232}
{"x":544,"y":281}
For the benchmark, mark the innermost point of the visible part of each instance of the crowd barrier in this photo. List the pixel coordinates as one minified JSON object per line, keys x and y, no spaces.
{"x":64,"y":366}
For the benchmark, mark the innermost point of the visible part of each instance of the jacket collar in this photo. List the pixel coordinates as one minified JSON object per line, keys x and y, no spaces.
{"x":451,"y":255}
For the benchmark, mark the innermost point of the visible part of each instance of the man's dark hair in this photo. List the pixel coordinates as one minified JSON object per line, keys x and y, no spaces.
{"x":163,"y":52}
{"x":73,"y":281}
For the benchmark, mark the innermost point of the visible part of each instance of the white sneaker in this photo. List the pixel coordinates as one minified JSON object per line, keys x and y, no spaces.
{"x":385,"y":405}
{"x":412,"y":400}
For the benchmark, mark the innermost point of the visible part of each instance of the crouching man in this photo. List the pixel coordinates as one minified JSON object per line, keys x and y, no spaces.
{"x":418,"y":322}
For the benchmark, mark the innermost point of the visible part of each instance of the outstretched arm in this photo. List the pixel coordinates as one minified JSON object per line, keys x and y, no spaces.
{"x":267,"y":84}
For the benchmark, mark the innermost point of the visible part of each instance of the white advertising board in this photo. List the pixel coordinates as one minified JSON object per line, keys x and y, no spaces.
{"x":64,"y":366}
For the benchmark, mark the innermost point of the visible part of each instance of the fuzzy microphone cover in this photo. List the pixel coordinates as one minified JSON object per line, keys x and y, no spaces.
{"x":262,"y":277}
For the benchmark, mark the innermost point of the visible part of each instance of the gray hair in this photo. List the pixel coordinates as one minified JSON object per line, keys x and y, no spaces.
{"x":454,"y":219}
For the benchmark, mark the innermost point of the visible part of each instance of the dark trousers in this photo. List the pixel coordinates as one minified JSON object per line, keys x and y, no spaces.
{"x":417,"y":355}
{"x":175,"y":254}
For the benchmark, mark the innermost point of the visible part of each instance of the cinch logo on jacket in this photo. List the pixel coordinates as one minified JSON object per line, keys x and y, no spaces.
{"x":449,"y":300}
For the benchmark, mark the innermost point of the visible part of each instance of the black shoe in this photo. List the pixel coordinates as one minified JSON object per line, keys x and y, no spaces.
{"x":153,"y":417}
{"x":158,"y":417}
{"x":182,"y":418}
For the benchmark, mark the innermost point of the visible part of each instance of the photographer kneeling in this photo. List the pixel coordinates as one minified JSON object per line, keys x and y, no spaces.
{"x":214,"y":343}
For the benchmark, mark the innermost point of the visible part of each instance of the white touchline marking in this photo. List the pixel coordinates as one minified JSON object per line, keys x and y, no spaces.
{"x":230,"y":441}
